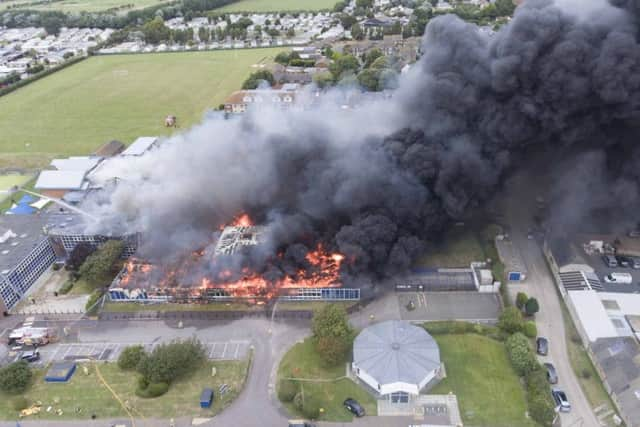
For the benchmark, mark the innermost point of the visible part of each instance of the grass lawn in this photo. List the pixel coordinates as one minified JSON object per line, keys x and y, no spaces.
{"x":8,"y":181}
{"x":458,"y":248}
{"x":74,"y":111}
{"x":76,"y":6}
{"x":89,"y":395}
{"x":480,"y":375}
{"x":302,"y":361}
{"x":277,"y":5}
{"x":5,"y":199}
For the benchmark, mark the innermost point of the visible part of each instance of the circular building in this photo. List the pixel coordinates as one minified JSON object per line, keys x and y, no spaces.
{"x":396,"y":358}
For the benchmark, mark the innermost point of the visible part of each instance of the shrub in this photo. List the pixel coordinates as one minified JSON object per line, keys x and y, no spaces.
{"x":510,"y":320}
{"x":130,"y":357}
{"x":15,"y":377}
{"x":311,"y":409}
{"x":531,"y":307}
{"x":66,"y":287}
{"x":169,"y":362}
{"x":91,"y":305}
{"x":539,"y":401}
{"x":530,"y":329}
{"x":298,"y":401}
{"x":585,"y":373}
{"x":152,"y":390}
{"x":522,"y":358}
{"x":287,"y":390}
{"x":332,"y":333}
{"x":521,"y":300}
{"x":19,"y":403}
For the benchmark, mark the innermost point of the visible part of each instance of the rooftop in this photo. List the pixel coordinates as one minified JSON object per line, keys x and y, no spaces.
{"x":60,"y":180}
{"x":19,"y":234}
{"x":234,"y":239}
{"x":84,"y":164}
{"x":110,"y":149}
{"x":396,"y":351}
{"x":140,"y":146}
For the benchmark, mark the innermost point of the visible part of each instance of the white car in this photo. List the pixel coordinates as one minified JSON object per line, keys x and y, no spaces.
{"x":625,"y":278}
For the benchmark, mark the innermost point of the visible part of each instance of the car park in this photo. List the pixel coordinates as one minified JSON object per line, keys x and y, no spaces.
{"x":542,"y":346}
{"x":561,"y":400}
{"x":354,"y":407}
{"x":552,"y":374}
{"x":610,"y":261}
{"x":623,"y":278}
{"x":300,"y":423}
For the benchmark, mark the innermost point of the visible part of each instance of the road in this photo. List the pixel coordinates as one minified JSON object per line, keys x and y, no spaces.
{"x":550,"y":322}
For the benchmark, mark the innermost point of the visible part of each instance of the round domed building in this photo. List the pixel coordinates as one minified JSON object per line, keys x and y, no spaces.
{"x":396,"y":359}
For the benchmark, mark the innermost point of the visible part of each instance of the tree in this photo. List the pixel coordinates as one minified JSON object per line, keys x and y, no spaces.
{"x":291,"y":32}
{"x":369,"y":79}
{"x":131,"y":357}
{"x":510,"y":320}
{"x":342,"y":65}
{"x":97,"y":268}
{"x":15,"y":378}
{"x":365,"y":4}
{"x":282,"y":58}
{"x":204,"y":34}
{"x":254,"y":80}
{"x":78,"y":255}
{"x":522,"y":358}
{"x":371,"y":56}
{"x":539,"y":401}
{"x":168,"y":362}
{"x":52,"y":24}
{"x":339,"y":6}
{"x":530,"y":329}
{"x":356,"y":32}
{"x":155,"y":31}
{"x":521,"y":300}
{"x":332,"y":334}
{"x":531,"y":307}
{"x":323,"y":80}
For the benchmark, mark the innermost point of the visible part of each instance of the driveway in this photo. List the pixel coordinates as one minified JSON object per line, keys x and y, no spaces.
{"x":550,"y":322}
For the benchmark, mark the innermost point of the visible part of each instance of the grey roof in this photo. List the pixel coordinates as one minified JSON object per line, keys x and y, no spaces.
{"x":619,"y":359}
{"x":19,"y":234}
{"x":140,"y":146}
{"x":76,"y":163}
{"x":396,"y":351}
{"x":60,"y":180}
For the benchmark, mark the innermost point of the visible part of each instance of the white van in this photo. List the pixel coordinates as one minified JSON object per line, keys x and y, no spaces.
{"x":624,"y":278}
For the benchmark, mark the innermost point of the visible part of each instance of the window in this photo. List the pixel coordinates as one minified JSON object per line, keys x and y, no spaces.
{"x":400,"y":397}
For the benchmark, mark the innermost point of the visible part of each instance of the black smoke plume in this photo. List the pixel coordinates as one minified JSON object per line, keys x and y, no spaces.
{"x":377,"y":183}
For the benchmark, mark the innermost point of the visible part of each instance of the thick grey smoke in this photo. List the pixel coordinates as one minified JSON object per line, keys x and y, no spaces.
{"x":377,"y":182}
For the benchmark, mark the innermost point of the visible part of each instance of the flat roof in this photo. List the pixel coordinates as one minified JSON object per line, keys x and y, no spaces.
{"x":76,"y":163}
{"x":140,"y":146}
{"x":593,"y":317}
{"x":19,"y":234}
{"x":628,"y":304}
{"x":60,"y":180}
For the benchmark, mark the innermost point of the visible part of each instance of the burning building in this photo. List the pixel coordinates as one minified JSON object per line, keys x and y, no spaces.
{"x":227,"y":270}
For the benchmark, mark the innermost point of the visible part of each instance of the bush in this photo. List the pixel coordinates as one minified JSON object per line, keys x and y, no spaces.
{"x":287,"y":390}
{"x":15,"y":377}
{"x":152,"y":390}
{"x":19,"y":403}
{"x":66,"y":287}
{"x":298,"y":401}
{"x":531,"y":307}
{"x":510,"y":320}
{"x":130,"y":357}
{"x":458,"y":327}
{"x":521,"y":300}
{"x":332,"y":334}
{"x":168,"y":362}
{"x":539,"y":401}
{"x":98,"y":267}
{"x":91,"y":305}
{"x":530,"y":329}
{"x":311,"y":409}
{"x":585,"y":373}
{"x":520,"y":354}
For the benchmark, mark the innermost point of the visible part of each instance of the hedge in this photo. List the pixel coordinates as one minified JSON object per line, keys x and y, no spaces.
{"x":24,"y":82}
{"x":457,"y":327}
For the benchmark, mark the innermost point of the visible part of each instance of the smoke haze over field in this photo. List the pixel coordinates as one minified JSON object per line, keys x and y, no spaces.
{"x":376,"y":183}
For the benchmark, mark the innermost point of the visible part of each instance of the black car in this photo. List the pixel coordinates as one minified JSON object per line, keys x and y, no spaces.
{"x":562,"y":402}
{"x":624,"y":261}
{"x":552,"y":374}
{"x":354,"y":407}
{"x":542,"y":346}
{"x":30,"y":356}
{"x":610,"y":261}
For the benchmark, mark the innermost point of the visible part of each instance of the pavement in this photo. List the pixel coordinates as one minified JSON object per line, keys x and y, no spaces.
{"x":549,"y":320}
{"x":461,"y":305}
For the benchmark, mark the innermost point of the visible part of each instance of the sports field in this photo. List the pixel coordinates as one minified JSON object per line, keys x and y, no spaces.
{"x":277,"y":5}
{"x":76,"y":6}
{"x":120,"y":97}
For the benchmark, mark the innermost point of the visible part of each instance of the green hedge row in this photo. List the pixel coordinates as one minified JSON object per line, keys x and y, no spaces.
{"x":458,"y":327}
{"x":24,"y":82}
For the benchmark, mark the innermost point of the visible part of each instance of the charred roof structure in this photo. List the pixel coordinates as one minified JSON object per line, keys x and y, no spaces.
{"x":234,"y":238}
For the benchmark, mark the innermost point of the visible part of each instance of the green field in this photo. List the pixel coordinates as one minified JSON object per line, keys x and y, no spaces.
{"x":480,"y":375}
{"x":77,"y":6}
{"x":74,"y":111}
{"x":85,"y":395}
{"x":302,"y":361}
{"x":277,"y":5}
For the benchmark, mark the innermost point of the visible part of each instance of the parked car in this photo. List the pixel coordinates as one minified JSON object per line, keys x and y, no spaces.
{"x":354,"y":407}
{"x":610,"y":261}
{"x":542,"y":346}
{"x":635,"y":263}
{"x":624,"y":278}
{"x":624,"y":261}
{"x":552,"y":374}
{"x":30,"y":355}
{"x":562,"y":402}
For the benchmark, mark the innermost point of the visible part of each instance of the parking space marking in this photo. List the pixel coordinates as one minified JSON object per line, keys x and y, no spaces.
{"x":235,"y":356}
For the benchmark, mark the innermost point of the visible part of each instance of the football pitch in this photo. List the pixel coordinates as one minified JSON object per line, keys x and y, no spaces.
{"x":77,"y":109}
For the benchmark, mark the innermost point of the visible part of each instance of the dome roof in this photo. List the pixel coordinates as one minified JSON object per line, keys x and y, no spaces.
{"x":396,"y":351}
